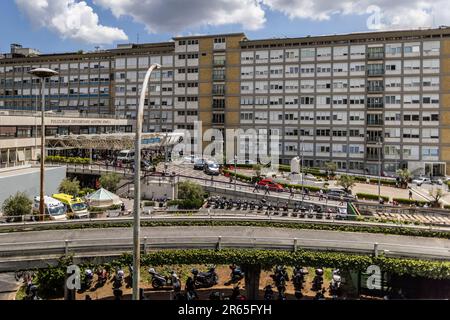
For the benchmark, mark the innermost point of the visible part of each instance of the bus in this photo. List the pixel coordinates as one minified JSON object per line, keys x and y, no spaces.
{"x":54,"y":209}
{"x":76,"y":207}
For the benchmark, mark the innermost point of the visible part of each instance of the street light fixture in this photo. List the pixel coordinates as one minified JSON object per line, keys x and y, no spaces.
{"x":137,"y":184}
{"x":42,"y":73}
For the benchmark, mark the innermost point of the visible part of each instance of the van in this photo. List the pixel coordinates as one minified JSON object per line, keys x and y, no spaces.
{"x":125,"y":156}
{"x":212,"y":168}
{"x":54,"y":209}
{"x":76,"y":207}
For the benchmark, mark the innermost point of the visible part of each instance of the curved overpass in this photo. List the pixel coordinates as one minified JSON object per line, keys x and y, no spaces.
{"x":35,"y":249}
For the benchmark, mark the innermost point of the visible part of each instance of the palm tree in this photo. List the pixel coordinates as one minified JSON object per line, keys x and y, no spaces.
{"x":404,"y":177}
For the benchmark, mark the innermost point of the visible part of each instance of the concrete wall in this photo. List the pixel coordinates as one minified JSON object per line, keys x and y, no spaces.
{"x":28,"y":182}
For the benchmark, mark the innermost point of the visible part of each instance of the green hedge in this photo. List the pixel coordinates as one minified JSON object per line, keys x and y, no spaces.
{"x":369,"y":196}
{"x":241,"y":177}
{"x":269,"y":258}
{"x":60,"y":159}
{"x":149,"y":203}
{"x":407,"y":201}
{"x":299,"y":187}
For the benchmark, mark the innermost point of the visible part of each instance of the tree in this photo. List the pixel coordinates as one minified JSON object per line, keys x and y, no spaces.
{"x":331,"y":167}
{"x":346,"y":182}
{"x":17,"y":205}
{"x":71,"y":187}
{"x":257,"y":168}
{"x":436,"y":194}
{"x":404,"y":176}
{"x":109,"y":181}
{"x":191,"y":195}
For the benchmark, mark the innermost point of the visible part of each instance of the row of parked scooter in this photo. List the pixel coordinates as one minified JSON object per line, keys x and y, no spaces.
{"x":269,"y":208}
{"x":281,"y":277}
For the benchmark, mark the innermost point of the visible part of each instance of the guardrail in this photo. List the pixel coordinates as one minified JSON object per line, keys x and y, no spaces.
{"x":84,"y":247}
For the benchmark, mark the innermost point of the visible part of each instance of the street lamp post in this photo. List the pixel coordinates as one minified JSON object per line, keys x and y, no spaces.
{"x":235,"y":171}
{"x":379,"y":168}
{"x":137,"y":185}
{"x":42,"y":73}
{"x":301,"y":168}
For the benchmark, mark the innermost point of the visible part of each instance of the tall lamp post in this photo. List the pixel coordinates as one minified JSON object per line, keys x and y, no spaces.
{"x":137,"y":184}
{"x":42,"y":73}
{"x":301,"y":167}
{"x":380,"y":143}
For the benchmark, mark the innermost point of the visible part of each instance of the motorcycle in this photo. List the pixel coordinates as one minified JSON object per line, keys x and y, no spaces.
{"x":32,"y":293}
{"x":280,"y":276}
{"x":299,"y":277}
{"x":285,"y":210}
{"x":159,"y":281}
{"x":102,"y":276}
{"x":236,"y":294}
{"x":252,"y":205}
{"x":335,"y":283}
{"x":318,"y":280}
{"x":236,"y":275}
{"x":205,"y":279}
{"x":268,"y":292}
{"x":88,"y":278}
{"x":118,"y":279}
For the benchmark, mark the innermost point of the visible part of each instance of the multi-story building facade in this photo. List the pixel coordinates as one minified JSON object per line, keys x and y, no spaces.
{"x":357,"y":99}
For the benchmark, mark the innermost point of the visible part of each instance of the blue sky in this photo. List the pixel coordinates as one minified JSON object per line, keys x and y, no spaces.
{"x":71,"y":25}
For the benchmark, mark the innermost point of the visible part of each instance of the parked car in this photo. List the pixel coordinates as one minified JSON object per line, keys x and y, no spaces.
{"x":212,"y":168}
{"x":421,"y":180}
{"x":437,"y":180}
{"x":338,"y":194}
{"x":273,"y":186}
{"x":126,"y":156}
{"x":199,"y":164}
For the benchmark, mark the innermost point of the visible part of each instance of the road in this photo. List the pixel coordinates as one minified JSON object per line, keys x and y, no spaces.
{"x":189,"y":236}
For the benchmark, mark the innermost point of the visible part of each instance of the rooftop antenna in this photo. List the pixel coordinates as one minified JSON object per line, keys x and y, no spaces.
{"x":97,"y":48}
{"x":137,"y":38}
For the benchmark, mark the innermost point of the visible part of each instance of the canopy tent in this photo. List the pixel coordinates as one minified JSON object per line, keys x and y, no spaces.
{"x":102,"y":198}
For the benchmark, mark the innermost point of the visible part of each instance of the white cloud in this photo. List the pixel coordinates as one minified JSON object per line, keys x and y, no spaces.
{"x":179,"y":15}
{"x":393,"y":14}
{"x":70,"y":19}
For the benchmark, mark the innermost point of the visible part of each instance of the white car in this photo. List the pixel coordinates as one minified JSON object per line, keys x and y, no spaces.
{"x":421,"y":180}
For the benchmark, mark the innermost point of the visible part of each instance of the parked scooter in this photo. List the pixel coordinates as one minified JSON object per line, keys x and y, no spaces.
{"x":236,"y":274}
{"x":205,"y":279}
{"x":236,"y":294}
{"x":335,"y":284}
{"x":118,"y":278}
{"x":102,"y":277}
{"x":268,"y":292}
{"x":318,"y":280}
{"x":88,"y":279}
{"x":160,"y":281}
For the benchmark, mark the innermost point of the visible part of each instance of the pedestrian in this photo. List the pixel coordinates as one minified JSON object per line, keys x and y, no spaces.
{"x":291,"y":191}
{"x":122,"y":207}
{"x":341,"y":203}
{"x":307,"y":193}
{"x":267,"y":189}
{"x":410,"y":194}
{"x":256,"y":188}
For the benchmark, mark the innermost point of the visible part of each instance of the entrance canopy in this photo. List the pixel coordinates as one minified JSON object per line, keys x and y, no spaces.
{"x":113,"y":141}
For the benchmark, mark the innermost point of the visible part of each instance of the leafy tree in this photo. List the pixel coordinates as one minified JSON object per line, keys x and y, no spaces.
{"x":404,"y":176}
{"x":109,"y":181}
{"x":346,"y":182}
{"x":331,"y":167}
{"x":190,"y":194}
{"x":71,"y":187}
{"x":436,"y":194}
{"x":17,"y":205}
{"x":257,"y":168}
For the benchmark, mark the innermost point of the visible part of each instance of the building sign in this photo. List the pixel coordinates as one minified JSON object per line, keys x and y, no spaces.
{"x":151,"y":140}
{"x":81,"y":122}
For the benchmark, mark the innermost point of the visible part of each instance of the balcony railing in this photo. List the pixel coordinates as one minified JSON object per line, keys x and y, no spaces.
{"x":217,"y":76}
{"x":218,"y":92}
{"x":375,"y":88}
{"x":375,"y":105}
{"x":375,"y":72}
{"x":375,"y":55}
{"x":375,"y":123}
{"x":371,"y":156}
{"x":219,"y":62}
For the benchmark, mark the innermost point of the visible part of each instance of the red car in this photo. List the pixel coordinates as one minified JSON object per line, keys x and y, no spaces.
{"x":273,"y":186}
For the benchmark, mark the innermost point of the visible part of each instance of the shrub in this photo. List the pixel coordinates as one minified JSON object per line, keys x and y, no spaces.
{"x":368,"y":196}
{"x":17,"y":205}
{"x":408,"y":201}
{"x":149,"y":203}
